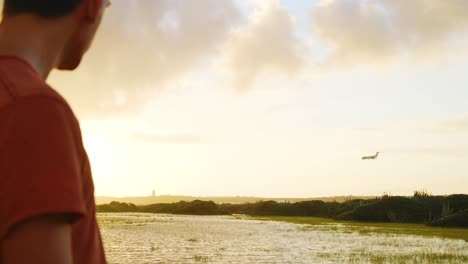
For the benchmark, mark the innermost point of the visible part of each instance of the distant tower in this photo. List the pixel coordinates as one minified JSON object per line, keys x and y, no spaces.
{"x":153,"y":193}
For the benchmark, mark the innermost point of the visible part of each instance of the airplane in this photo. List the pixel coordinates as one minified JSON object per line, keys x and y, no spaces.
{"x":371,"y":157}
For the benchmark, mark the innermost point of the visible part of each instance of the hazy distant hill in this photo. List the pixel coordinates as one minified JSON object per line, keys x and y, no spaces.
{"x":233,"y":200}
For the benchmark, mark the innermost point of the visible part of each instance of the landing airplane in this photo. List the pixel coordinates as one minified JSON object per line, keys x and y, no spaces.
{"x":371,"y":157}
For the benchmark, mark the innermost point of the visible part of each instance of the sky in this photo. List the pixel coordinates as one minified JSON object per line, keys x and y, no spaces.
{"x":275,"y":98}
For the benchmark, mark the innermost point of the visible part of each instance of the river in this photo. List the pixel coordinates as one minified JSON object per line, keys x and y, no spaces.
{"x":153,"y":238}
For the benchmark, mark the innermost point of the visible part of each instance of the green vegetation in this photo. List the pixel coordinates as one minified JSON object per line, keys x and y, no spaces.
{"x":186,"y":208}
{"x":376,"y":228}
{"x":445,"y":258}
{"x":116,"y":207}
{"x":422,"y":208}
{"x":219,"y":200}
{"x":199,"y":258}
{"x":366,"y":257}
{"x":456,"y":219}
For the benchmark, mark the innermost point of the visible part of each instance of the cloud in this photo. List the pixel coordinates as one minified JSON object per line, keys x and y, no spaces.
{"x":262,"y":4}
{"x":375,"y":31}
{"x":168,"y":139}
{"x":144,"y":44}
{"x":267,"y":44}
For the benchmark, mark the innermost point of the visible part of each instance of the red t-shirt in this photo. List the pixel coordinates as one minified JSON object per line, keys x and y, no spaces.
{"x":44,"y":168}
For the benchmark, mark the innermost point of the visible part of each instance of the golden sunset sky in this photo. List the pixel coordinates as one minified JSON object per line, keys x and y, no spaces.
{"x":276,"y":98}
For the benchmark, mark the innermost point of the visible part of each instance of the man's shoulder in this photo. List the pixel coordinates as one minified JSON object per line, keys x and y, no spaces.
{"x":18,"y":84}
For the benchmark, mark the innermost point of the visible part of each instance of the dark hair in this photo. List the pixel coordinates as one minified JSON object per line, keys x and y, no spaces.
{"x":43,"y":8}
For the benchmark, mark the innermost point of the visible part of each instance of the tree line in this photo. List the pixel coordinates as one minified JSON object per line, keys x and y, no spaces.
{"x":446,"y":211}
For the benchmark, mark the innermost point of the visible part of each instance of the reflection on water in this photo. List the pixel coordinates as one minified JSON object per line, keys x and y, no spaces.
{"x":148,"y":238}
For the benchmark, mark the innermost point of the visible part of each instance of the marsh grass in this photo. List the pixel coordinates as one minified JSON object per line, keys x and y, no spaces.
{"x":369,"y":257}
{"x":153,"y":248}
{"x":243,"y":239}
{"x":408,"y":258}
{"x":374,"y":228}
{"x":389,"y":230}
{"x":199,"y":258}
{"x":109,"y":220}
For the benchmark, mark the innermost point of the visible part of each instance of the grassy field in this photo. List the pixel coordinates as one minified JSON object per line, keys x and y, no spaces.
{"x":376,"y":228}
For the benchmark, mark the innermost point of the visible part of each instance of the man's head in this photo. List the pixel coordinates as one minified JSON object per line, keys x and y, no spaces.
{"x":46,"y":9}
{"x":82,"y":21}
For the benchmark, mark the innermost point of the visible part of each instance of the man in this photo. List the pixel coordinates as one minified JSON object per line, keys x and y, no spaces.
{"x":47,"y":209}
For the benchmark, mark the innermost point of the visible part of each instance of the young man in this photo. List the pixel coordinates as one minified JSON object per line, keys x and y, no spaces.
{"x":47,"y":209}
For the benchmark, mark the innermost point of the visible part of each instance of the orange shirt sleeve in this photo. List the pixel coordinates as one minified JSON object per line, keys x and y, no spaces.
{"x":40,"y":162}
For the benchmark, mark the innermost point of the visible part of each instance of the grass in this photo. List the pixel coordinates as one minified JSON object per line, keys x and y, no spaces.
{"x":199,"y":258}
{"x":407,"y":259}
{"x":153,"y":248}
{"x":112,"y":219}
{"x":382,"y":228}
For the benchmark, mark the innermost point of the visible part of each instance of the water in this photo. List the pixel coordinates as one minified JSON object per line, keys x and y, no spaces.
{"x":148,"y":238}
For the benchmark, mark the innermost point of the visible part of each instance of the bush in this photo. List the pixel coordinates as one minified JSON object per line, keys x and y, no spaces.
{"x":459,"y":219}
{"x":390,"y":209}
{"x":114,"y":207}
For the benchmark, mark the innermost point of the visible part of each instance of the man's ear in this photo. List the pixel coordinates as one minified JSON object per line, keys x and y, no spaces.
{"x":93,"y":9}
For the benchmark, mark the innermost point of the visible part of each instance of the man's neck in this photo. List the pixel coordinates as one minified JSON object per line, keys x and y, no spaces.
{"x":37,"y":41}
